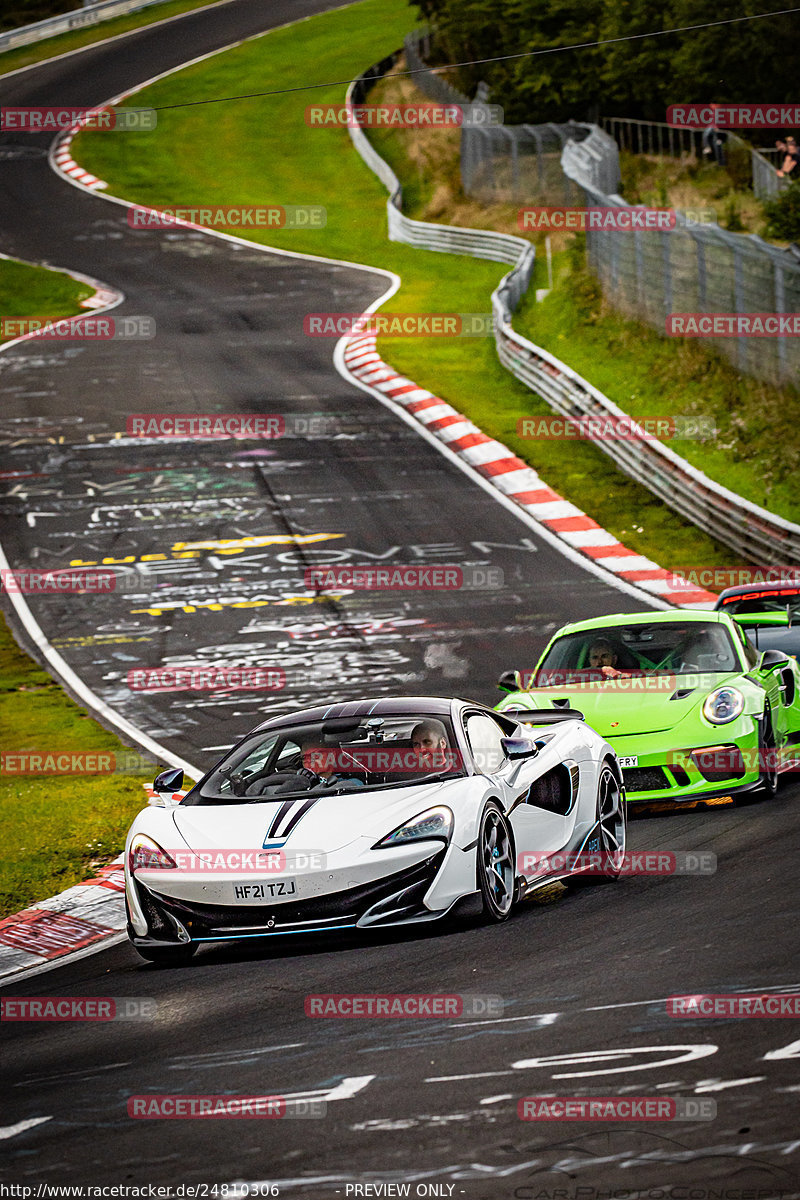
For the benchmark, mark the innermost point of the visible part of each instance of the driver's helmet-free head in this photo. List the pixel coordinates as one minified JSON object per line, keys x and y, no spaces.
{"x":429,"y":741}
{"x":429,"y":734}
{"x":316,"y":757}
{"x":601,"y":653}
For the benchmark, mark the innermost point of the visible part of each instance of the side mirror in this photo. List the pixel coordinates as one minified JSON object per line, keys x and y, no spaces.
{"x":510,"y":681}
{"x":517,"y":747}
{"x":169,"y":781}
{"x":772,"y":658}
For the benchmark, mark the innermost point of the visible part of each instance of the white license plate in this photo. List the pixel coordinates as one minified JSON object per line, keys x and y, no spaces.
{"x":275,"y":889}
{"x":632,"y":760}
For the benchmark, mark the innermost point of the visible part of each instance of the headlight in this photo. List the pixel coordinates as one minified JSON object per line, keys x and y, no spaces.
{"x":723,"y":705}
{"x":433,"y":823}
{"x":144,"y":852}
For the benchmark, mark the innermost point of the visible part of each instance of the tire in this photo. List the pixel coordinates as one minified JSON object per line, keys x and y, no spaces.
{"x":168,"y":956}
{"x":612,"y":827}
{"x":495,"y":857}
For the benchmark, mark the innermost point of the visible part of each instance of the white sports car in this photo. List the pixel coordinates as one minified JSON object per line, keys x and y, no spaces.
{"x":372,"y":813}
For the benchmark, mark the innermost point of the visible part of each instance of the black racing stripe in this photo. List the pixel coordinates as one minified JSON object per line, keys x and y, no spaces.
{"x":298,"y":815}
{"x":280,"y":814}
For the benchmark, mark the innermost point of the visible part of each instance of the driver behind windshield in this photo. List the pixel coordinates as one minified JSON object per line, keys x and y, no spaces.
{"x":429,"y":740}
{"x":319,"y":762}
{"x":602,"y":655}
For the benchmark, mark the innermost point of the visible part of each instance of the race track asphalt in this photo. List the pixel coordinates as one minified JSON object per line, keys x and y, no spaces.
{"x":583,"y":975}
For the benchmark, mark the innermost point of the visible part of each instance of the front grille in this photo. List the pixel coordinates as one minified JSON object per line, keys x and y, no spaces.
{"x":681,"y":777}
{"x":347,"y":906}
{"x":725,"y":763}
{"x":645,"y":779}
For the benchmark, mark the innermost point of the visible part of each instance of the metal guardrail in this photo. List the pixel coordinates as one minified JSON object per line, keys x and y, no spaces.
{"x":449,"y":239}
{"x":753,"y":532}
{"x":520,"y":162}
{"x":690,"y":268}
{"x":25,"y":35}
{"x":648,"y":273}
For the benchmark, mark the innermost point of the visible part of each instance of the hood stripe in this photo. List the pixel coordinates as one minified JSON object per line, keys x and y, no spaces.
{"x":299,"y":814}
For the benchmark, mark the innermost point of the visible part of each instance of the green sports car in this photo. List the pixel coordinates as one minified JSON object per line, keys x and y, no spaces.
{"x":693,"y":709}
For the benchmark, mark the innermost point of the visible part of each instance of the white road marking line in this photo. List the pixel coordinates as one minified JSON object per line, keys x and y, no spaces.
{"x":349,"y":1087}
{"x":9,"y":1131}
{"x":720,"y":1085}
{"x":790,"y":1051}
{"x":455,"y":1078}
{"x":542,"y":1018}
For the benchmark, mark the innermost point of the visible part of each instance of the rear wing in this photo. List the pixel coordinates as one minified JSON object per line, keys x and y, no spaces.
{"x":543,"y":716}
{"x":769,"y":619}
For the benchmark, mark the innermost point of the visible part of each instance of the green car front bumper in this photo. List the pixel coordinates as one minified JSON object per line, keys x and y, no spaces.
{"x":703,"y":768}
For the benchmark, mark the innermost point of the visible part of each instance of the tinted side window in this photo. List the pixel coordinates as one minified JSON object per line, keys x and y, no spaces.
{"x":484,"y":736}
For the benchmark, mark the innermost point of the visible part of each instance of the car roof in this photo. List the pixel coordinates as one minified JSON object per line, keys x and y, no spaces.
{"x":427,"y":706}
{"x":763,"y":589}
{"x":672,"y":616}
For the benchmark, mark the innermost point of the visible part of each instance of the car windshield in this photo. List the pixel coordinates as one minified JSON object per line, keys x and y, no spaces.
{"x":331,"y":757}
{"x":675,"y":647}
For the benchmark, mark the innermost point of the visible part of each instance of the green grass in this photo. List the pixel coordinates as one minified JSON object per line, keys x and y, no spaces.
{"x":674,"y":377}
{"x":57,"y":828}
{"x":260,"y":151}
{"x":23,"y":56}
{"x":686,"y":183}
{"x":38,"y":291}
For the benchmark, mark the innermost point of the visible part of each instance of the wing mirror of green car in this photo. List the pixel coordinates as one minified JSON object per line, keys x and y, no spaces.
{"x":510,"y":681}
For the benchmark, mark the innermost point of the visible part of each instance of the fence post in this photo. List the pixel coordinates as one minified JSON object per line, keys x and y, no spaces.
{"x":738,"y":292}
{"x":641,"y":299}
{"x":665,"y":245}
{"x":701,"y":273}
{"x":780,"y":306}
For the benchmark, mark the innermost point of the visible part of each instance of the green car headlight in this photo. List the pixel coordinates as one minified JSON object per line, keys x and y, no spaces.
{"x":433,"y":823}
{"x":723,"y":705}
